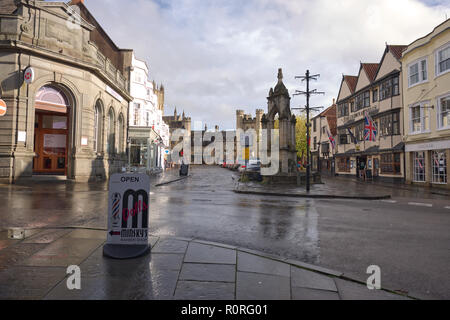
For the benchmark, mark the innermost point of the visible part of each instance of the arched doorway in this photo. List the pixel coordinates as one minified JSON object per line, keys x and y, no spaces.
{"x":51,"y":133}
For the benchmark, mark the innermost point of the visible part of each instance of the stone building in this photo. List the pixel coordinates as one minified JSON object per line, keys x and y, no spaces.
{"x":66,"y":87}
{"x":322,"y":150}
{"x":377,"y":91}
{"x":246,"y":122}
{"x":177,"y":121}
{"x":426,"y":96}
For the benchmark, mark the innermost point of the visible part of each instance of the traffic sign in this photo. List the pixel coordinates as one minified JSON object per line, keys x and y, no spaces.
{"x":28,"y":75}
{"x":128,"y":210}
{"x":3,"y":108}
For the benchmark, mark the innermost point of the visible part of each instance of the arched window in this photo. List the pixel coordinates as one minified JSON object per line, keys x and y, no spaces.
{"x":98,"y":122}
{"x":121,"y":134}
{"x":49,"y":98}
{"x":111,"y":132}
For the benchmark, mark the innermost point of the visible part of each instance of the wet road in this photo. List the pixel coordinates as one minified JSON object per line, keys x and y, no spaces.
{"x":410,"y":243}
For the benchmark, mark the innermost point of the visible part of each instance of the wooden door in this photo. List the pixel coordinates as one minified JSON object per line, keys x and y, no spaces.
{"x":51,"y":144}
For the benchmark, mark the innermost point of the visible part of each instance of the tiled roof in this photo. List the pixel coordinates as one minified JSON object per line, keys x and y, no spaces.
{"x":371,"y":70}
{"x":351,"y":82}
{"x":397,"y":50}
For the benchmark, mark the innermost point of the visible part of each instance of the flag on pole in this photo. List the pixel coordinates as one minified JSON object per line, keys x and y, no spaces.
{"x":333,"y":142}
{"x":352,"y":136}
{"x":370,"y":128}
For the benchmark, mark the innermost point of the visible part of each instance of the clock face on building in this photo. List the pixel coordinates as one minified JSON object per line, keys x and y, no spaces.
{"x":28,"y":75}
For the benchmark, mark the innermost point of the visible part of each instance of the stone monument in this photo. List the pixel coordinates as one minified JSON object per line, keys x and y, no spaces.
{"x":278,"y":103}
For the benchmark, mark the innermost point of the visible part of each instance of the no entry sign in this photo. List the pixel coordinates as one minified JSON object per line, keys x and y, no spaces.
{"x":128,"y":212}
{"x":2,"y":108}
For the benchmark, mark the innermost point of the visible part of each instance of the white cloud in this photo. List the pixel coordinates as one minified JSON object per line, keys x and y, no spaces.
{"x":218,"y":56}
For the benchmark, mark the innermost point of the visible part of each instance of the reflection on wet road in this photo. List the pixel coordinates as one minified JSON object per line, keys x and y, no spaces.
{"x":409,"y":243}
{"x":202,"y":206}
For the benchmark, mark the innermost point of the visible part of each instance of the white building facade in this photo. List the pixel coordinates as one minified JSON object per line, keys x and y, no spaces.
{"x":148,"y":133}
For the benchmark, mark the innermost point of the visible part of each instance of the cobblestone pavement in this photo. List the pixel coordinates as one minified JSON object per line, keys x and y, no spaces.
{"x":176,"y":268}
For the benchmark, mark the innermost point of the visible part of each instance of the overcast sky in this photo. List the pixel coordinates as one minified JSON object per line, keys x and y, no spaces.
{"x":218,"y":56}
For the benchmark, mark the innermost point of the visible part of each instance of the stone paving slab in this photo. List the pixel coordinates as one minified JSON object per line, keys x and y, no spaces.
{"x":166,"y":261}
{"x":170,"y":246}
{"x":312,"y":280}
{"x":17,"y":253}
{"x":253,"y":286}
{"x":29,"y":282}
{"x":208,"y":272}
{"x":313,"y":294}
{"x":251,"y":263}
{"x":201,"y":253}
{"x":349,"y":290}
{"x":196,"y":290}
{"x":87,"y":234}
{"x":47,"y":236}
{"x":175,"y":269}
{"x":64,"y":252}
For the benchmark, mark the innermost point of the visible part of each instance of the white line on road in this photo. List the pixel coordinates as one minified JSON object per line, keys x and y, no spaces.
{"x":448,"y":207}
{"x":420,"y":204}
{"x":389,"y":201}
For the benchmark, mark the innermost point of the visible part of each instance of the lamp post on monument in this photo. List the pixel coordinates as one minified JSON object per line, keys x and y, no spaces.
{"x":308,"y":94}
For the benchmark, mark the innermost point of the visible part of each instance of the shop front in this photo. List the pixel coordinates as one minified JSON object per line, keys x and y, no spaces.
{"x":428,"y":163}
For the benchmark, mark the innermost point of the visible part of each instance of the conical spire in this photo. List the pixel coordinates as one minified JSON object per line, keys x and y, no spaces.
{"x":280,"y":88}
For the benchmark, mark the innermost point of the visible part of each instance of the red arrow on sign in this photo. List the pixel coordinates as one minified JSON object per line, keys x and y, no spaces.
{"x":114,"y":233}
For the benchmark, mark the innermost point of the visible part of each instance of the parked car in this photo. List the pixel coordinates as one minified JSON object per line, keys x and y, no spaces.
{"x":253,"y":165}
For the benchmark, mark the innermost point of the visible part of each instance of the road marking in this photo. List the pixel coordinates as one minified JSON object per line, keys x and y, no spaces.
{"x":389,"y":201}
{"x":448,"y":207}
{"x":420,"y":204}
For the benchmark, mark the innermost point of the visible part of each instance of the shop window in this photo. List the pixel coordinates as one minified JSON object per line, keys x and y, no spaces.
{"x":390,"y":163}
{"x":439,"y":166}
{"x":344,"y":164}
{"x":419,"y":167}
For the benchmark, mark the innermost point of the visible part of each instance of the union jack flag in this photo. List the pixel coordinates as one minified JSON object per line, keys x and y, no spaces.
{"x":370,"y":129}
